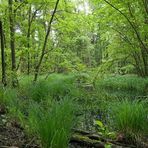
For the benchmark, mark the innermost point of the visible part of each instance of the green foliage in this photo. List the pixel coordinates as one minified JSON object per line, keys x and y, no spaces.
{"x":37,"y":91}
{"x":46,"y":109}
{"x":63,"y":85}
{"x":10,"y":97}
{"x":1,"y":94}
{"x":53,"y":126}
{"x":15,"y":106}
{"x":55,"y":86}
{"x":103,"y":130}
{"x":85,"y":36}
{"x":49,"y":119}
{"x":130,"y":118}
{"x":128,"y":84}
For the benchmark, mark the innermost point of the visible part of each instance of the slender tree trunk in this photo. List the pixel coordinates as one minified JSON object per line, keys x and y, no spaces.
{"x":28,"y":40}
{"x":143,"y":52}
{"x":3,"y":55}
{"x":19,"y":63}
{"x":12,"y":43}
{"x":145,"y":63}
{"x":138,"y":67}
{"x":37,"y":68}
{"x":31,"y":17}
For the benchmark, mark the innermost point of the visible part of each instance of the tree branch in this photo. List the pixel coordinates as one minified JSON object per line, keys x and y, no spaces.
{"x":131,"y":24}
{"x":19,"y":6}
{"x":45,"y":41}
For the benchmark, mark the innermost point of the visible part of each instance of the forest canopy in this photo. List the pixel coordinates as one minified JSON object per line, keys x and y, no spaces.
{"x":68,"y":36}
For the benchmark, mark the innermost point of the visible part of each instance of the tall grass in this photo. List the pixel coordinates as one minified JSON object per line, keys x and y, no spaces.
{"x":16,"y":107}
{"x":56,"y":86}
{"x":50,"y":120}
{"x":43,"y":110}
{"x":128,"y":84}
{"x":63,"y":85}
{"x":37,"y":91}
{"x":53,"y":126}
{"x":10,"y":100}
{"x":130,"y":118}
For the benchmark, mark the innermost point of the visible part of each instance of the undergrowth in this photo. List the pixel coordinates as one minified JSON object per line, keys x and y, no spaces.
{"x":46,"y":108}
{"x":127,"y":84}
{"x":130,"y":118}
{"x":53,"y":126}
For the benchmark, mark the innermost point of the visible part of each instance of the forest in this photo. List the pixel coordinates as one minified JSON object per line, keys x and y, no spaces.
{"x":73,"y":73}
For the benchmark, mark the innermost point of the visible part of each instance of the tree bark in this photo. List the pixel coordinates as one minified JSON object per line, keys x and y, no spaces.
{"x":3,"y":55}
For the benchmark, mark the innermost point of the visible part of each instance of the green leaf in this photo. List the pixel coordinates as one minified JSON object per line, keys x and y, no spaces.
{"x":108,"y":145}
{"x":99,"y":123}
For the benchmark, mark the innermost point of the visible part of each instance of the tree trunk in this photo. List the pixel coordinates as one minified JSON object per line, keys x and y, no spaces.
{"x":3,"y":55}
{"x":145,"y":63}
{"x":12,"y":43}
{"x":45,"y":42}
{"x":28,"y":40}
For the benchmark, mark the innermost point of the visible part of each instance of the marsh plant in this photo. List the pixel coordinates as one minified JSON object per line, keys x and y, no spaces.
{"x":53,"y":127}
{"x":130,"y":118}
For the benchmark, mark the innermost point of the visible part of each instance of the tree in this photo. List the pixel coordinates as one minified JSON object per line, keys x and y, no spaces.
{"x":3,"y":55}
{"x":126,"y":27}
{"x":45,"y":42}
{"x":12,"y":43}
{"x":134,"y":26}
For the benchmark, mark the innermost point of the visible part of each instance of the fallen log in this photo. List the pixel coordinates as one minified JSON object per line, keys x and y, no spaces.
{"x":86,"y":141}
{"x":93,"y":140}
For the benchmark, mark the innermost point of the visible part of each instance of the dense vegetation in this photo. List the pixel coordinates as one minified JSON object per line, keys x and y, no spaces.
{"x":74,"y":73}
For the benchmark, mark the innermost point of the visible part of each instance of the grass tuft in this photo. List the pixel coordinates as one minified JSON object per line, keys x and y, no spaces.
{"x":53,"y":126}
{"x":130,"y":118}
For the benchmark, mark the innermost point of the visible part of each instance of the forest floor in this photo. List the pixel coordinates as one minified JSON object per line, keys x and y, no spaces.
{"x":15,"y":106}
{"x":12,"y":135}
